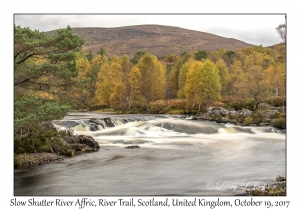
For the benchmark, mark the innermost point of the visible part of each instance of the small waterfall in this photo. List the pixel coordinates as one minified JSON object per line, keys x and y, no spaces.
{"x":154,"y":126}
{"x":92,"y":124}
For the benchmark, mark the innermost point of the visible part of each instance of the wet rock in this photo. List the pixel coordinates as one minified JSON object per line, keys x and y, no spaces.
{"x":77,"y":147}
{"x":222,"y":112}
{"x":244,"y":112}
{"x":132,"y":147}
{"x":95,"y":124}
{"x":88,"y":140}
{"x":268,"y":113}
{"x":82,"y":139}
{"x":88,"y":150}
{"x":108,"y":122}
{"x":82,"y":143}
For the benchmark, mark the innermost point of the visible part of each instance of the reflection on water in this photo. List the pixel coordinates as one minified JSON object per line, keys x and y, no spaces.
{"x":176,"y":157}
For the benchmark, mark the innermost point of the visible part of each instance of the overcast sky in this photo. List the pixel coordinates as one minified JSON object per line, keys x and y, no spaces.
{"x":253,"y":29}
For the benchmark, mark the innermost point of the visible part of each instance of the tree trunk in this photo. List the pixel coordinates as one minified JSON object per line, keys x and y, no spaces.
{"x":193,"y":104}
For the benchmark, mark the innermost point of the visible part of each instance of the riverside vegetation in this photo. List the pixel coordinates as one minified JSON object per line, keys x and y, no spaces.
{"x":53,"y":75}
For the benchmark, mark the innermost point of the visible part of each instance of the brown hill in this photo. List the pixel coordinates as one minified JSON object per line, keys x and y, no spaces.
{"x":155,"y":39}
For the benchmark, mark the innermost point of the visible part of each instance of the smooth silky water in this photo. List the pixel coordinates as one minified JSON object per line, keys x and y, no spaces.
{"x":177,"y":156}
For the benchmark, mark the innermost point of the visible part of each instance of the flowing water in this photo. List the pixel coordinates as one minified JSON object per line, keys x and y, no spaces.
{"x":177,"y":156}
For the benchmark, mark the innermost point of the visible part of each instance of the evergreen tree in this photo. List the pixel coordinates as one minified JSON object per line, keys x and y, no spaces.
{"x":90,"y":55}
{"x":43,"y":64}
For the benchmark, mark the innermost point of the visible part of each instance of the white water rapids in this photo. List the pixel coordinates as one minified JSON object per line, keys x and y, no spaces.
{"x":177,"y":156}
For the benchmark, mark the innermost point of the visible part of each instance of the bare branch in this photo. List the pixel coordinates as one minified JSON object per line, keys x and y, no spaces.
{"x":25,"y":58}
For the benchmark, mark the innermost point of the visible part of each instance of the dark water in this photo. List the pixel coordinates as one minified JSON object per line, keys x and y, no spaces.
{"x":176,"y":157}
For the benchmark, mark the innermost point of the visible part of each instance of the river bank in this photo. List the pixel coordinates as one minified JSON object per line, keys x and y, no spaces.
{"x":67,"y":146}
{"x":37,"y":158}
{"x":262,"y":114}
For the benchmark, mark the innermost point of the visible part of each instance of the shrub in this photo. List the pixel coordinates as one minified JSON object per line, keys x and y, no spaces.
{"x":70,"y":152}
{"x":276,"y":101}
{"x":247,"y":120}
{"x":280,"y":123}
{"x":40,"y":141}
{"x":246,"y":104}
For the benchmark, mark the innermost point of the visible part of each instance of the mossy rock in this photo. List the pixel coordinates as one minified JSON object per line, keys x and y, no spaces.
{"x":70,"y":153}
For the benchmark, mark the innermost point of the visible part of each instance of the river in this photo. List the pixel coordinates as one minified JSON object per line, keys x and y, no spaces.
{"x":177,"y":156}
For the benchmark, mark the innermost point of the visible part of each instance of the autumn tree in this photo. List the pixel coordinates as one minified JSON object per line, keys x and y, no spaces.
{"x":172,"y":83}
{"x":193,"y":86}
{"x":235,"y":85}
{"x":110,"y":88}
{"x":82,"y":64}
{"x":118,"y":86}
{"x":211,"y":82}
{"x":275,"y":79}
{"x":126,"y":67}
{"x":182,"y":78}
{"x":223,"y":72}
{"x":258,"y":56}
{"x":95,"y":66}
{"x":216,"y":55}
{"x":255,"y":84}
{"x":172,"y":58}
{"x":203,"y":83}
{"x":103,"y":85}
{"x":81,"y":90}
{"x":185,"y":56}
{"x":153,"y":77}
{"x":134,"y":82}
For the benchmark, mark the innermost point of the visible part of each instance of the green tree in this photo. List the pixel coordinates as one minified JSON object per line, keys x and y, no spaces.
{"x":101,"y":51}
{"x":44,"y":73}
{"x":89,"y":56}
{"x":201,"y":54}
{"x":137,"y":57}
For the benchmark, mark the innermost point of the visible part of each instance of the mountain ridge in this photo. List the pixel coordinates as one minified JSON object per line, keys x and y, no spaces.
{"x":159,"y":40}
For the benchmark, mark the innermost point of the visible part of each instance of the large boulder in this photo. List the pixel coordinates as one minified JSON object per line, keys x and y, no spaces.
{"x":220,"y":111}
{"x":82,"y":142}
{"x":88,"y":140}
{"x":244,"y":112}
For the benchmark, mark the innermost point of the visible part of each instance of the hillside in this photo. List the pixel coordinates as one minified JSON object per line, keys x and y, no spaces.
{"x":156,"y":39}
